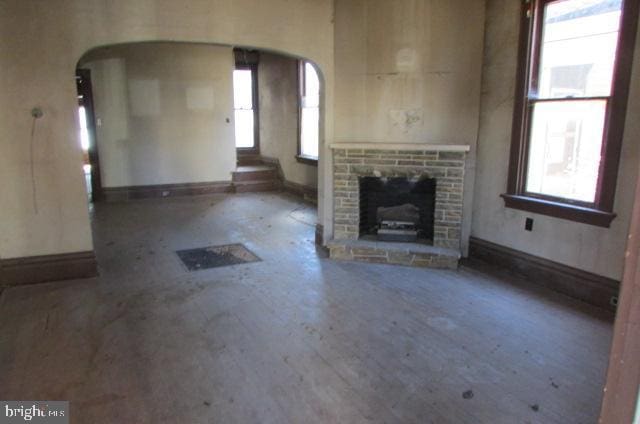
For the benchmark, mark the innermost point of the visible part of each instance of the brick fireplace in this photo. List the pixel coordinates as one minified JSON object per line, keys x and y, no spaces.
{"x":444,"y":163}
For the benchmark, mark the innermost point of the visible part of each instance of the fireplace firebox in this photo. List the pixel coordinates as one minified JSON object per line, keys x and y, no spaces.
{"x":397,"y":208}
{"x":397,"y":188}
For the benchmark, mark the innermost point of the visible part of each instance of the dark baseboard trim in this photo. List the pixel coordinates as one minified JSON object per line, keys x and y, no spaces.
{"x":319,"y":234}
{"x":118,"y":194}
{"x":307,"y":193}
{"x":275,"y":162}
{"x":582,"y":285}
{"x":40,"y":269}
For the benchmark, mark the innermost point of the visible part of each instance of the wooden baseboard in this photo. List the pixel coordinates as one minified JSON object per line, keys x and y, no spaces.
{"x":306,"y":192}
{"x":40,"y":269}
{"x":582,"y":285}
{"x":275,"y":162}
{"x":309,"y":194}
{"x":118,"y":194}
{"x":319,"y":234}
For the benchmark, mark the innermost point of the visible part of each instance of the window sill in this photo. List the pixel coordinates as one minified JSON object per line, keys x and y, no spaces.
{"x":559,"y":210}
{"x":248,"y":150}
{"x":308,"y":160}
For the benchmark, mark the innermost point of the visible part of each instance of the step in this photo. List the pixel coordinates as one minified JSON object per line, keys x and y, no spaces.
{"x":249,"y":160}
{"x":254,"y":173}
{"x":256,"y":186}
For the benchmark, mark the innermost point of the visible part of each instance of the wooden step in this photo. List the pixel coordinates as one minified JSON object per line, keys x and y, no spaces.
{"x":249,"y":160}
{"x":256,"y":186}
{"x":254,"y":173}
{"x":255,"y":178}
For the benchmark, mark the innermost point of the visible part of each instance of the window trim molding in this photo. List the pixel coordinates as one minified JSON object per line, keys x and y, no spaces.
{"x":304,"y":159}
{"x":84,"y":86}
{"x":307,"y":160}
{"x":560,"y":210}
{"x":599,"y":213}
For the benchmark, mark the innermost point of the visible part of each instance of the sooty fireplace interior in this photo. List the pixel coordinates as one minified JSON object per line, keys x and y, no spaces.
{"x":397,"y":209}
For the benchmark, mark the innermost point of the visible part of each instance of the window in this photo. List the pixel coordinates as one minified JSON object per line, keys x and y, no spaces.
{"x":245,"y":112}
{"x":309,"y":113}
{"x":573,"y":76}
{"x":84,"y":143}
{"x":84,"y":130}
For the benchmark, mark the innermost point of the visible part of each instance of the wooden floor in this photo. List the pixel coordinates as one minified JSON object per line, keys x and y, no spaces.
{"x":295,"y":338}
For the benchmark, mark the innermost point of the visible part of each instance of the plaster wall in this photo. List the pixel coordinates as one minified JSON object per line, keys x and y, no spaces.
{"x":278,"y":89}
{"x":590,"y":248}
{"x":163,"y":111}
{"x":409,"y":71}
{"x":40,"y":45}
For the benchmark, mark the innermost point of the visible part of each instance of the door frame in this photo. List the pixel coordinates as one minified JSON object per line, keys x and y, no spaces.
{"x":622,"y":385}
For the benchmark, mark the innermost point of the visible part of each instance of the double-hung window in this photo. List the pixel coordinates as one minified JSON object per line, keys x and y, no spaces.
{"x":309,"y":113}
{"x":245,"y":110}
{"x":571,"y":95}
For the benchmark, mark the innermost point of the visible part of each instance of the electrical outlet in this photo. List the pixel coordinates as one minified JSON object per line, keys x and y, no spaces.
{"x":528,"y":224}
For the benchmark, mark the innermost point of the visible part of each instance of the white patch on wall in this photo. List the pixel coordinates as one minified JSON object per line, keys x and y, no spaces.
{"x":406,"y":60}
{"x":200,"y":97}
{"x":406,"y":119}
{"x":144,"y":97}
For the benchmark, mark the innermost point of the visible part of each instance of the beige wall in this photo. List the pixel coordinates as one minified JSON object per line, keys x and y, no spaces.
{"x":594,"y":249}
{"x":40,"y":44}
{"x":409,"y":71}
{"x":278,"y":88}
{"x":162,"y":109}
{"x":406,"y":70}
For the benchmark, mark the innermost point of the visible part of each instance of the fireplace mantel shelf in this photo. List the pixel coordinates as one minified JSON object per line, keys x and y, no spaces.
{"x":403,"y":146}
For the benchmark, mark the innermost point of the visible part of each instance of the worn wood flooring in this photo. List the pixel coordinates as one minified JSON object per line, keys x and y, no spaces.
{"x":295,"y":338}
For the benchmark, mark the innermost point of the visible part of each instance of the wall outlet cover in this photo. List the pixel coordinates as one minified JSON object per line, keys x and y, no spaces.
{"x":528,"y":224}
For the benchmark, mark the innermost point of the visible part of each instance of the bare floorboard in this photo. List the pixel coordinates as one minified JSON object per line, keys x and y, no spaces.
{"x":295,"y":338}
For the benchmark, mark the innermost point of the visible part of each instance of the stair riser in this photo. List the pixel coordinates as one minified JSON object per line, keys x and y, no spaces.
{"x":254,"y":176}
{"x":257,"y":187}
{"x":249,"y":161}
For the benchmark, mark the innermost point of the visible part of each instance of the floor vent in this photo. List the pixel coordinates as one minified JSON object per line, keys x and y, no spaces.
{"x":216,"y":256}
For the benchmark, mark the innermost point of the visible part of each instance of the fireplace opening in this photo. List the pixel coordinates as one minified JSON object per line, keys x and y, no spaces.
{"x":397,"y":209}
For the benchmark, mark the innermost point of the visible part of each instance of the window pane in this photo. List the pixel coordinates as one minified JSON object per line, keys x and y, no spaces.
{"x":242,"y":89}
{"x":312,"y":86}
{"x":244,"y":127}
{"x":578,"y":49}
{"x":84,"y":132}
{"x":309,"y":132}
{"x":565,"y":148}
{"x":243,"y":104}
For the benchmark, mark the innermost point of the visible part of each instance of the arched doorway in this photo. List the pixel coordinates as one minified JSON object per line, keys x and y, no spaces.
{"x":168,"y":117}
